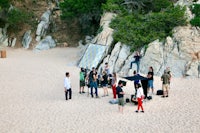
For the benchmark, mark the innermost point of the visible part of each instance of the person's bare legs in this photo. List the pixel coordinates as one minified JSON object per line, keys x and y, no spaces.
{"x":106,"y":88}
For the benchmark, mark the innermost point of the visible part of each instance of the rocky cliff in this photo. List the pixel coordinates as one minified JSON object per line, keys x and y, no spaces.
{"x":180,"y":52}
{"x":46,"y":22}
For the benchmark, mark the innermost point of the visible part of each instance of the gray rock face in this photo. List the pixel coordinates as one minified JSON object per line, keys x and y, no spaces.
{"x":43,"y":25}
{"x":114,"y":56}
{"x":181,"y":53}
{"x":45,"y":16}
{"x":26,"y":40}
{"x":3,"y":37}
{"x":13,"y":42}
{"x":193,"y":71}
{"x":46,"y":44}
{"x":153,"y":57}
{"x":105,"y":37}
{"x":123,"y":55}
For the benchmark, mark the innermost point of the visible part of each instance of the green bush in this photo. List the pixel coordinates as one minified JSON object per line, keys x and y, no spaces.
{"x":4,"y":4}
{"x":158,"y":5}
{"x":141,"y":29}
{"x":113,"y":6}
{"x":195,"y":21}
{"x":87,"y":12}
{"x":18,"y":17}
{"x":196,"y":10}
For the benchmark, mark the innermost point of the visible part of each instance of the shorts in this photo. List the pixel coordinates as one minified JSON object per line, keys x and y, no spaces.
{"x":82,"y":83}
{"x":121,"y":101}
{"x":150,"y":84}
{"x":165,"y":87}
{"x":104,"y":85}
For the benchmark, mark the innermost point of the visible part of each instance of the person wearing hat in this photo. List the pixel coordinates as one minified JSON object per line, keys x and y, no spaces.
{"x":140,"y":97}
{"x":165,"y":78}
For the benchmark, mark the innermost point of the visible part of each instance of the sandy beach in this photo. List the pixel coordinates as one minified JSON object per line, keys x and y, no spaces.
{"x":32,"y":100}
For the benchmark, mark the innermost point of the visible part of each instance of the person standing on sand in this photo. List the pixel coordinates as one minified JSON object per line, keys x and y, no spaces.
{"x":140,"y":97}
{"x":165,"y":78}
{"x":93,"y":82}
{"x":135,"y":81}
{"x":150,"y":80}
{"x":67,"y":86}
{"x":82,"y":81}
{"x":170,"y":75}
{"x":104,"y":83}
{"x":120,"y":94}
{"x":114,"y":82}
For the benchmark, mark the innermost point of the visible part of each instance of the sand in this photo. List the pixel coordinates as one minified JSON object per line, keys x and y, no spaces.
{"x":32,"y":100}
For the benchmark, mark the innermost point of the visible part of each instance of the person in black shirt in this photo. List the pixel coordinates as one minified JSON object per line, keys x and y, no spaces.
{"x":150,"y":79}
{"x":104,"y":83}
{"x":137,"y":61}
{"x":120,"y":94}
{"x":93,"y":82}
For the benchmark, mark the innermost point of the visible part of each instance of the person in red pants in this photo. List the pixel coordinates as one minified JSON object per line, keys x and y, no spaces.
{"x":140,"y":97}
{"x":113,"y":83}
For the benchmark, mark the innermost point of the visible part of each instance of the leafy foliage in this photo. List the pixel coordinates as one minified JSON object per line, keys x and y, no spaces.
{"x":158,"y":5}
{"x":196,"y":10}
{"x":113,"y":6}
{"x":18,"y":17}
{"x":4,"y":4}
{"x":88,"y":12}
{"x":140,"y":29}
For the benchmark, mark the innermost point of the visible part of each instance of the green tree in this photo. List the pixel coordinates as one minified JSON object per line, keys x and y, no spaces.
{"x":140,"y":29}
{"x":196,"y":10}
{"x":16,"y":18}
{"x":87,"y":12}
{"x":4,"y":4}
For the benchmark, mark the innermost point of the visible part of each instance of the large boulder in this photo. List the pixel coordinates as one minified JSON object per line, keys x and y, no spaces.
{"x":193,"y":70}
{"x":177,"y":52}
{"x":26,"y":40}
{"x":3,"y":36}
{"x":43,"y":25}
{"x":46,"y":44}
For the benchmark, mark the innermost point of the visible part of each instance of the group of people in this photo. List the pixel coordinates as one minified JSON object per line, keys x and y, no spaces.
{"x":92,"y":79}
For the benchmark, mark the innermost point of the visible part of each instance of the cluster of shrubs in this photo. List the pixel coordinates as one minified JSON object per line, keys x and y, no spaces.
{"x":196,"y":11}
{"x":145,"y":22}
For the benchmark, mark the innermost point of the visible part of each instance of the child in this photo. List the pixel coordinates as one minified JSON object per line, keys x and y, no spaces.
{"x":140,"y":97}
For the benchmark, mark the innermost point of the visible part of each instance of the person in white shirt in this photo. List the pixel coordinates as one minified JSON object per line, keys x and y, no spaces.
{"x":140,"y":97}
{"x":67,"y":87}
